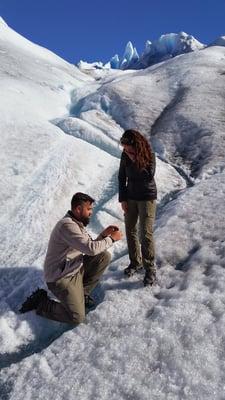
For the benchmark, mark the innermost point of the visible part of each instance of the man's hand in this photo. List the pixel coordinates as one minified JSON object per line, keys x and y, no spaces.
{"x":116,"y":235}
{"x":124,"y":205}
{"x":109,"y":230}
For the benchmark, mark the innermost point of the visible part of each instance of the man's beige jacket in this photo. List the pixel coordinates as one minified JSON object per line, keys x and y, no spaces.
{"x":68,"y":242}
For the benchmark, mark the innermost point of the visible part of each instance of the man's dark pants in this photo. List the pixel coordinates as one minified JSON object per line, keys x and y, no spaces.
{"x":70,"y":291}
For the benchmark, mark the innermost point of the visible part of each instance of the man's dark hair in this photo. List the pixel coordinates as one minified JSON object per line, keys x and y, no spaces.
{"x":80,"y":198}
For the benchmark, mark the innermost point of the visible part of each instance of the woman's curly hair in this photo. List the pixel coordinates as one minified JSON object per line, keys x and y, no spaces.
{"x":141,"y":145}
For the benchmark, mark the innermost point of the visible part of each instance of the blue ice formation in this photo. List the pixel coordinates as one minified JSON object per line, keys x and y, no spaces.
{"x":167,"y":46}
{"x":220,"y":41}
{"x":130,"y":56}
{"x":115,"y":62}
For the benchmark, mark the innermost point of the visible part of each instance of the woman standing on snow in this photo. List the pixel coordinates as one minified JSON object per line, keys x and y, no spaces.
{"x":137,"y":195}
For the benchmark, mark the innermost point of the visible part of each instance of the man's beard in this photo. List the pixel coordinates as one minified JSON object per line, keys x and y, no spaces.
{"x":85,"y":220}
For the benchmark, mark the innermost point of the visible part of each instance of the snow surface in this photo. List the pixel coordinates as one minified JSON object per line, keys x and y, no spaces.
{"x":60,"y":134}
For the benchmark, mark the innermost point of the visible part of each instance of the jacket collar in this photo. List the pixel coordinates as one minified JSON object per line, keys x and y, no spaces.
{"x":71,"y":215}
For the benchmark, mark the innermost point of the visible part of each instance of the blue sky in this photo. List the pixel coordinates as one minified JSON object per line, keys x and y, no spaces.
{"x":95,"y":30}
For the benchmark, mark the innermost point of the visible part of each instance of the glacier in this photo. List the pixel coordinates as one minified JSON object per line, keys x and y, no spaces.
{"x":60,"y":130}
{"x":167,"y":46}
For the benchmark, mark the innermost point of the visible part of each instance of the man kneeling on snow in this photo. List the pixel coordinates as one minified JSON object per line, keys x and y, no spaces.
{"x":73,"y":265}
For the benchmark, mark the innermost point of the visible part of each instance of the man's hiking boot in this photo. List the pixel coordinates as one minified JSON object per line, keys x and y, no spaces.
{"x":90,"y":303}
{"x":150,"y":278}
{"x":32,"y":302}
{"x":131,"y":270}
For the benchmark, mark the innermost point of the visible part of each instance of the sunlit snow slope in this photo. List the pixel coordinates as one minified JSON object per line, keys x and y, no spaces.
{"x":60,"y":133}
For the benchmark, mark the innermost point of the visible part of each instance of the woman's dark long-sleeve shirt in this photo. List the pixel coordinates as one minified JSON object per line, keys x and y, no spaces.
{"x":136,"y":184}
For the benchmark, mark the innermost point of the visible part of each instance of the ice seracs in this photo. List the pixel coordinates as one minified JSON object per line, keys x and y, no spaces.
{"x":220,"y":41}
{"x":130,"y":57}
{"x":167,"y":46}
{"x":115,"y":62}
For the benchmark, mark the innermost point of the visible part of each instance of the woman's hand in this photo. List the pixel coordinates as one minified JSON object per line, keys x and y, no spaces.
{"x":124,"y":205}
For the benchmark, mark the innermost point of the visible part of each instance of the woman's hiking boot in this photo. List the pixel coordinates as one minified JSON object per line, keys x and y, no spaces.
{"x":150,"y":278}
{"x":131,"y":270}
{"x":32,"y":302}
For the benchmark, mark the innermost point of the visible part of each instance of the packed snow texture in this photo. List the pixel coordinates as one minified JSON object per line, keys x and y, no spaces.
{"x":60,"y":134}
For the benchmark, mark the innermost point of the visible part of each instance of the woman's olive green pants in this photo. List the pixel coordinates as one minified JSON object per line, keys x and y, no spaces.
{"x":140,"y":242}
